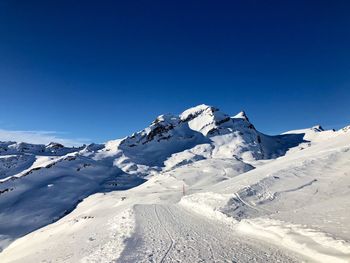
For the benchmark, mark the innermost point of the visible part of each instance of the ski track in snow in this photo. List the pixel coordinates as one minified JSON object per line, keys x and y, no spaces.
{"x":169,"y":233}
{"x":165,"y":229}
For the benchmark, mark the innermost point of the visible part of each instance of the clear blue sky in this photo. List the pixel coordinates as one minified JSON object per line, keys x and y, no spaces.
{"x":104,"y":69}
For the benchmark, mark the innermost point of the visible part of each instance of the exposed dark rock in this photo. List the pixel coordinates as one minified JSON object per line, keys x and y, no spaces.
{"x":6,"y":190}
{"x":223,"y":121}
{"x":158,"y":131}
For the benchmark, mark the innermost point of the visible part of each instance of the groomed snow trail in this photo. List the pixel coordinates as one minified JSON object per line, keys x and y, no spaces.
{"x":169,"y":233}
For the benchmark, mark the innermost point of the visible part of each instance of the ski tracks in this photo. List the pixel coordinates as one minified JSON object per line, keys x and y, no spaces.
{"x":169,"y":233}
{"x":170,"y":237}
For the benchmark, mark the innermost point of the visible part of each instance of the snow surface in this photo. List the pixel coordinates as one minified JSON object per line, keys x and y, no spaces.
{"x":216,"y":190}
{"x":53,"y":181}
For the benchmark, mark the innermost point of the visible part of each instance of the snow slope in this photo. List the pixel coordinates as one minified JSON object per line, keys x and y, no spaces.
{"x":217,"y":190}
{"x":40,"y":184}
{"x":143,"y":224}
{"x":298,"y":201}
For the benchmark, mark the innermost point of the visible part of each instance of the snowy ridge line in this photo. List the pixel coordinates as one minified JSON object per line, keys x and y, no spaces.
{"x":40,"y":162}
{"x":315,"y":245}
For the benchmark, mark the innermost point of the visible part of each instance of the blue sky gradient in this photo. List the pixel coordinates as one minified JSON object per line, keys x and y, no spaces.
{"x":100,"y":70}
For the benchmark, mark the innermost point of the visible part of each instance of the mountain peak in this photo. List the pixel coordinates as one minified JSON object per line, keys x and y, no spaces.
{"x":204,"y":118}
{"x":193,"y":112}
{"x":164,"y":118}
{"x":241,"y":115}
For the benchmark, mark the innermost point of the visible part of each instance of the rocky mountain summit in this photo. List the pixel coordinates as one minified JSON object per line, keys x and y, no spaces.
{"x":201,"y":132}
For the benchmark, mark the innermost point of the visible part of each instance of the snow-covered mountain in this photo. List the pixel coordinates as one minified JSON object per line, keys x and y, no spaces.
{"x":201,"y":132}
{"x":226,"y":168}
